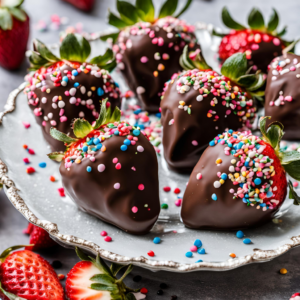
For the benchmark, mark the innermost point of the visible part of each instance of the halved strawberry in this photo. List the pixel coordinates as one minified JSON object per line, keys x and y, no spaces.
{"x":92,"y":279}
{"x":261,"y":43}
{"x":26,"y":275}
{"x":85,"y":5}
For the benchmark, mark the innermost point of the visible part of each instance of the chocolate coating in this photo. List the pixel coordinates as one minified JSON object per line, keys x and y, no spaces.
{"x":282,"y":97}
{"x":140,"y":76}
{"x":70,"y":111}
{"x":179,"y":152}
{"x":200,"y":211}
{"x":94,"y":191}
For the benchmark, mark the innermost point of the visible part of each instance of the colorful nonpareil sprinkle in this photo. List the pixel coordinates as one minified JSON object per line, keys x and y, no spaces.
{"x":30,"y":170}
{"x":232,"y":255}
{"x":26,"y":124}
{"x":26,"y":160}
{"x":198,"y":243}
{"x":189,"y":254}
{"x":167,"y":189}
{"x":240,"y":234}
{"x":201,"y":251}
{"x":52,"y":178}
{"x":250,"y":171}
{"x":156,"y":240}
{"x":103,"y":233}
{"x":107,"y":239}
{"x":150,"y":253}
{"x":283,"y":271}
{"x":42,"y":165}
{"x":164,"y":206}
{"x":177,"y":191}
{"x":178,"y":202}
{"x":61,"y":192}
{"x":247,"y":241}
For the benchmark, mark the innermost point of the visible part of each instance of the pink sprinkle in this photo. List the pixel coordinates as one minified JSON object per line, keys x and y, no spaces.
{"x":141,"y":187}
{"x":92,"y":158}
{"x":133,"y":168}
{"x":117,"y":185}
{"x":63,"y":119}
{"x":115,"y":160}
{"x":167,"y":189}
{"x":67,"y":93}
{"x":160,"y":41}
{"x":26,"y":160}
{"x":231,"y":191}
{"x":194,"y":248}
{"x":61,"y":192}
{"x":107,"y":239}
{"x":118,"y":166}
{"x":101,"y":168}
{"x":288,"y":98}
{"x":276,"y":41}
{"x":154,"y":41}
{"x":194,"y":143}
{"x":26,"y":124}
{"x":134,"y":209}
{"x":199,"y":176}
{"x":178,"y":202}
{"x":103,"y":233}
{"x":144,"y":59}
{"x":31,"y":151}
{"x":295,"y":184}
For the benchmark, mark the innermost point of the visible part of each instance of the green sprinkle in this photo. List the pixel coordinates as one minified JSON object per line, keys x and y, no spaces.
{"x":164,"y":206}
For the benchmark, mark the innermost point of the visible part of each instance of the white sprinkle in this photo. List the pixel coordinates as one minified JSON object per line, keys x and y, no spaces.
{"x":72,"y":91}
{"x":61,"y":104}
{"x":217,"y":184}
{"x":44,"y":100}
{"x":83,"y":90}
{"x":117,"y":185}
{"x":140,"y":149}
{"x":140,"y":90}
{"x":101,"y":167}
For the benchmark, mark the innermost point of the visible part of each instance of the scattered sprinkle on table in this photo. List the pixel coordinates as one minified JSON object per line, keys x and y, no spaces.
{"x":178,"y":202}
{"x":42,"y":165}
{"x":199,"y":261}
{"x":198,"y":243}
{"x":167,"y":189}
{"x":61,"y":192}
{"x":189,"y":254}
{"x":177,"y":191}
{"x":156,"y":240}
{"x":26,"y":160}
{"x":201,"y":251}
{"x":151,"y":253}
{"x":52,"y":178}
{"x":283,"y":271}
{"x":232,"y":255}
{"x":26,"y":124}
{"x":107,"y":239}
{"x":30,"y":170}
{"x":240,"y":234}
{"x":103,"y":233}
{"x":144,"y":291}
{"x":164,"y":206}
{"x":247,"y":241}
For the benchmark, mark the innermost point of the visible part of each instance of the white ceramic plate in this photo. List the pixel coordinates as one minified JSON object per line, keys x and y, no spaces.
{"x":37,"y":198}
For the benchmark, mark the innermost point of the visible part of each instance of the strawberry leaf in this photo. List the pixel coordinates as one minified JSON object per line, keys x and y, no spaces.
{"x":229,"y":22}
{"x":102,"y":287}
{"x":75,"y":47}
{"x":147,"y":7}
{"x":291,"y":163}
{"x":256,"y":19}
{"x":10,"y":296}
{"x":37,"y":61}
{"x":188,"y":3}
{"x":235,"y":66}
{"x":115,"y":268}
{"x":262,"y":126}
{"x":128,"y":12}
{"x":274,"y":134}
{"x":60,"y":136}
{"x":128,"y":270}
{"x":6,"y":21}
{"x":44,"y":52}
{"x":282,"y":32}
{"x":11,"y":3}
{"x":103,"y":279}
{"x":273,"y":21}
{"x":293,"y":194}
{"x":130,"y":296}
{"x":18,"y":13}
{"x":106,"y":61}
{"x":82,"y":255}
{"x":112,"y":36}
{"x":115,"y":21}
{"x":56,"y":156}
{"x":168,"y":8}
{"x":82,"y":128}
{"x":219,"y":34}
{"x":102,"y":266}
{"x":246,"y":80}
{"x":260,"y":81}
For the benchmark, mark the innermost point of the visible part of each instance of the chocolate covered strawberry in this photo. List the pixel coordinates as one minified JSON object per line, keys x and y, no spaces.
{"x":14,"y":33}
{"x":85,"y":5}
{"x":148,"y":48}
{"x":261,"y":42}
{"x":199,"y":103}
{"x":110,"y":170}
{"x":92,"y":279}
{"x":283,"y":93}
{"x":26,"y":275}
{"x":67,"y":87}
{"x":240,"y":180}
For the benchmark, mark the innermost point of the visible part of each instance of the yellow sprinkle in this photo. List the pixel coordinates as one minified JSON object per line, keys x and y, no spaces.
{"x":59,"y":97}
{"x":181,"y":102}
{"x":161,"y":67}
{"x":257,"y":191}
{"x":48,"y":91}
{"x":222,"y":181}
{"x":232,"y":255}
{"x":283,"y":271}
{"x":103,"y":149}
{"x":235,"y":88}
{"x":218,"y":161}
{"x":271,"y":168}
{"x":55,"y":73}
{"x":155,"y":73}
{"x":273,"y":173}
{"x":236,"y":175}
{"x":93,"y":88}
{"x":77,"y":161}
{"x":233,"y":161}
{"x":232,"y":96}
{"x":244,"y":174}
{"x":221,"y":136}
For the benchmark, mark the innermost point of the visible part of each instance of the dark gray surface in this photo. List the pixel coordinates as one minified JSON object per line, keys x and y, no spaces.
{"x":257,"y":281}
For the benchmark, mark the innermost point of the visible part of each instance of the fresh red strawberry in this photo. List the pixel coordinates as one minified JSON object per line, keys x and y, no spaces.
{"x":260,"y":43}
{"x":92,"y":279}
{"x":27,"y":275}
{"x":86,"y":5}
{"x":243,"y":180}
{"x":39,"y":238}
{"x":14,"y":33}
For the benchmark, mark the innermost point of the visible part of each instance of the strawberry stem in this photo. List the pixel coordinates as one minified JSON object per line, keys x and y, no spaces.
{"x":7,"y":252}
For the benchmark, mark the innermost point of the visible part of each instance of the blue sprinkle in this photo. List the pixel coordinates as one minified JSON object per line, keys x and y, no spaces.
{"x":94,"y":149}
{"x":229,"y":145}
{"x":199,"y":260}
{"x":76,"y":84}
{"x":156,"y":240}
{"x":127,"y":142}
{"x":96,"y":141}
{"x":198,"y":243}
{"x":158,"y":115}
{"x":42,"y":164}
{"x":89,"y":169}
{"x":240,"y":234}
{"x":137,"y":111}
{"x":116,"y":132}
{"x":214,"y":197}
{"x":230,"y":131}
{"x":224,"y":176}
{"x":65,"y":78}
{"x":269,"y":194}
{"x":85,"y":148}
{"x":201,"y":251}
{"x":74,"y":72}
{"x":100,"y":91}
{"x":136,"y":132}
{"x":142,"y":126}
{"x":116,"y":84}
{"x":189,"y":254}
{"x":257,"y":181}
{"x":247,"y":241}
{"x":244,"y":200}
{"x":90,"y":142}
{"x":99,"y":146}
{"x":123,"y":147}
{"x":211,"y":143}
